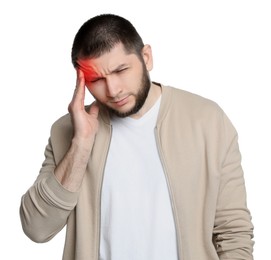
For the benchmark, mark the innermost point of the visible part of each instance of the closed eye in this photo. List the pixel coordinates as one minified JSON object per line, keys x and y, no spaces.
{"x":95,"y":80}
{"x":121,"y":70}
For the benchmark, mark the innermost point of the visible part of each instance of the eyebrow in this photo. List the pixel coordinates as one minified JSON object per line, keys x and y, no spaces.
{"x":118,"y":68}
{"x":93,"y":76}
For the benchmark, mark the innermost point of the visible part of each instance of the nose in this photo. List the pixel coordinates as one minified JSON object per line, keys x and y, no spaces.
{"x":113,"y":87}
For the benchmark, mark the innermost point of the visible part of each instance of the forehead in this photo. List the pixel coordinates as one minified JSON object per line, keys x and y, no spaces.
{"x":107,"y":61}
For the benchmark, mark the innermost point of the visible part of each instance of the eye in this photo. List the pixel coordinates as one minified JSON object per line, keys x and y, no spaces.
{"x":121,"y":70}
{"x":94,"y":80}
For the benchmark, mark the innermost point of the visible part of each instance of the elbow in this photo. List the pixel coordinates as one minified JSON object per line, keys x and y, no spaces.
{"x":32,"y":229}
{"x":35,"y":236}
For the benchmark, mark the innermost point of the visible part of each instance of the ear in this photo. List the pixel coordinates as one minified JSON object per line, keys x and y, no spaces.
{"x":147,"y":56}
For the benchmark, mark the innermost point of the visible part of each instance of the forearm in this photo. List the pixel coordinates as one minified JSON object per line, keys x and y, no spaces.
{"x":70,"y":171}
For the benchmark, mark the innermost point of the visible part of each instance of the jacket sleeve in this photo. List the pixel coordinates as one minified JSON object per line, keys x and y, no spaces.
{"x":46,"y":206}
{"x":233,"y":231}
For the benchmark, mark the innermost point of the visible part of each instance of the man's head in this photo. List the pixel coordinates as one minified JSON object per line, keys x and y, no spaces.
{"x":115,"y":63}
{"x":101,"y":33}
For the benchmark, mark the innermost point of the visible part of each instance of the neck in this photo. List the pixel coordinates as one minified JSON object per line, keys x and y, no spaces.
{"x":154,"y":94}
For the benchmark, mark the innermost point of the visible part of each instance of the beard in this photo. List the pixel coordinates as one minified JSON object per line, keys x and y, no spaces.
{"x":140,"y":97}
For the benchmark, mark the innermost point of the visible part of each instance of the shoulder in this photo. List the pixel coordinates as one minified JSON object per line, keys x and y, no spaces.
{"x":185,"y":110}
{"x":188,"y":103}
{"x":190,"y":99}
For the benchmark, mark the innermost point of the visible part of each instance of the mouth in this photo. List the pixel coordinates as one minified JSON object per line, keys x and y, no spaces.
{"x":120,"y":102}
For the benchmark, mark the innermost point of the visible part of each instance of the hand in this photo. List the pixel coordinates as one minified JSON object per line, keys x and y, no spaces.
{"x":85,"y":123}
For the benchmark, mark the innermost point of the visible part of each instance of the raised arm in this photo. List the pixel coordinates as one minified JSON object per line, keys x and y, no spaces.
{"x":47,"y":204}
{"x":70,"y":171}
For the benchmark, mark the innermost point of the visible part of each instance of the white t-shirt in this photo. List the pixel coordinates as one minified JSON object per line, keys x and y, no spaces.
{"x":136,"y":214}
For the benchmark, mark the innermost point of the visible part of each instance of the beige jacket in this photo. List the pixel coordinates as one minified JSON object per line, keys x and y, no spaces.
{"x":199,"y":152}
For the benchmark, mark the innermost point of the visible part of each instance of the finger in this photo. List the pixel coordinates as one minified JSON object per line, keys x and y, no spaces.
{"x":79,"y":92}
{"x":80,"y":81}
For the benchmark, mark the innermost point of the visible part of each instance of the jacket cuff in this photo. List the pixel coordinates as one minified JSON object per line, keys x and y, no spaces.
{"x":58,"y":195}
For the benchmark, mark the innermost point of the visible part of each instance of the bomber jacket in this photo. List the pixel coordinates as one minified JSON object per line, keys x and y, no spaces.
{"x":198,"y":148}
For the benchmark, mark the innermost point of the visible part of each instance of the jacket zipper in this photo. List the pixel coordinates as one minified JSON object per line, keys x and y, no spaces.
{"x":178,"y":236}
{"x":100,"y":191}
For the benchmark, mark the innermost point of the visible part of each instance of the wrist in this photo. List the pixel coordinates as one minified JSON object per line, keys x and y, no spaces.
{"x":82,"y":143}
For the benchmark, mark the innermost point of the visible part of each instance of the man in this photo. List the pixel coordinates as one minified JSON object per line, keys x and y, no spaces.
{"x":145,"y":172}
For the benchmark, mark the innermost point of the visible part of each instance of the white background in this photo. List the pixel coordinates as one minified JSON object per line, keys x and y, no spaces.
{"x":218,"y":49}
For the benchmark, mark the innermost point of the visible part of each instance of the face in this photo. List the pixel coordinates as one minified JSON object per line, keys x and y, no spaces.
{"x":119,"y":81}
